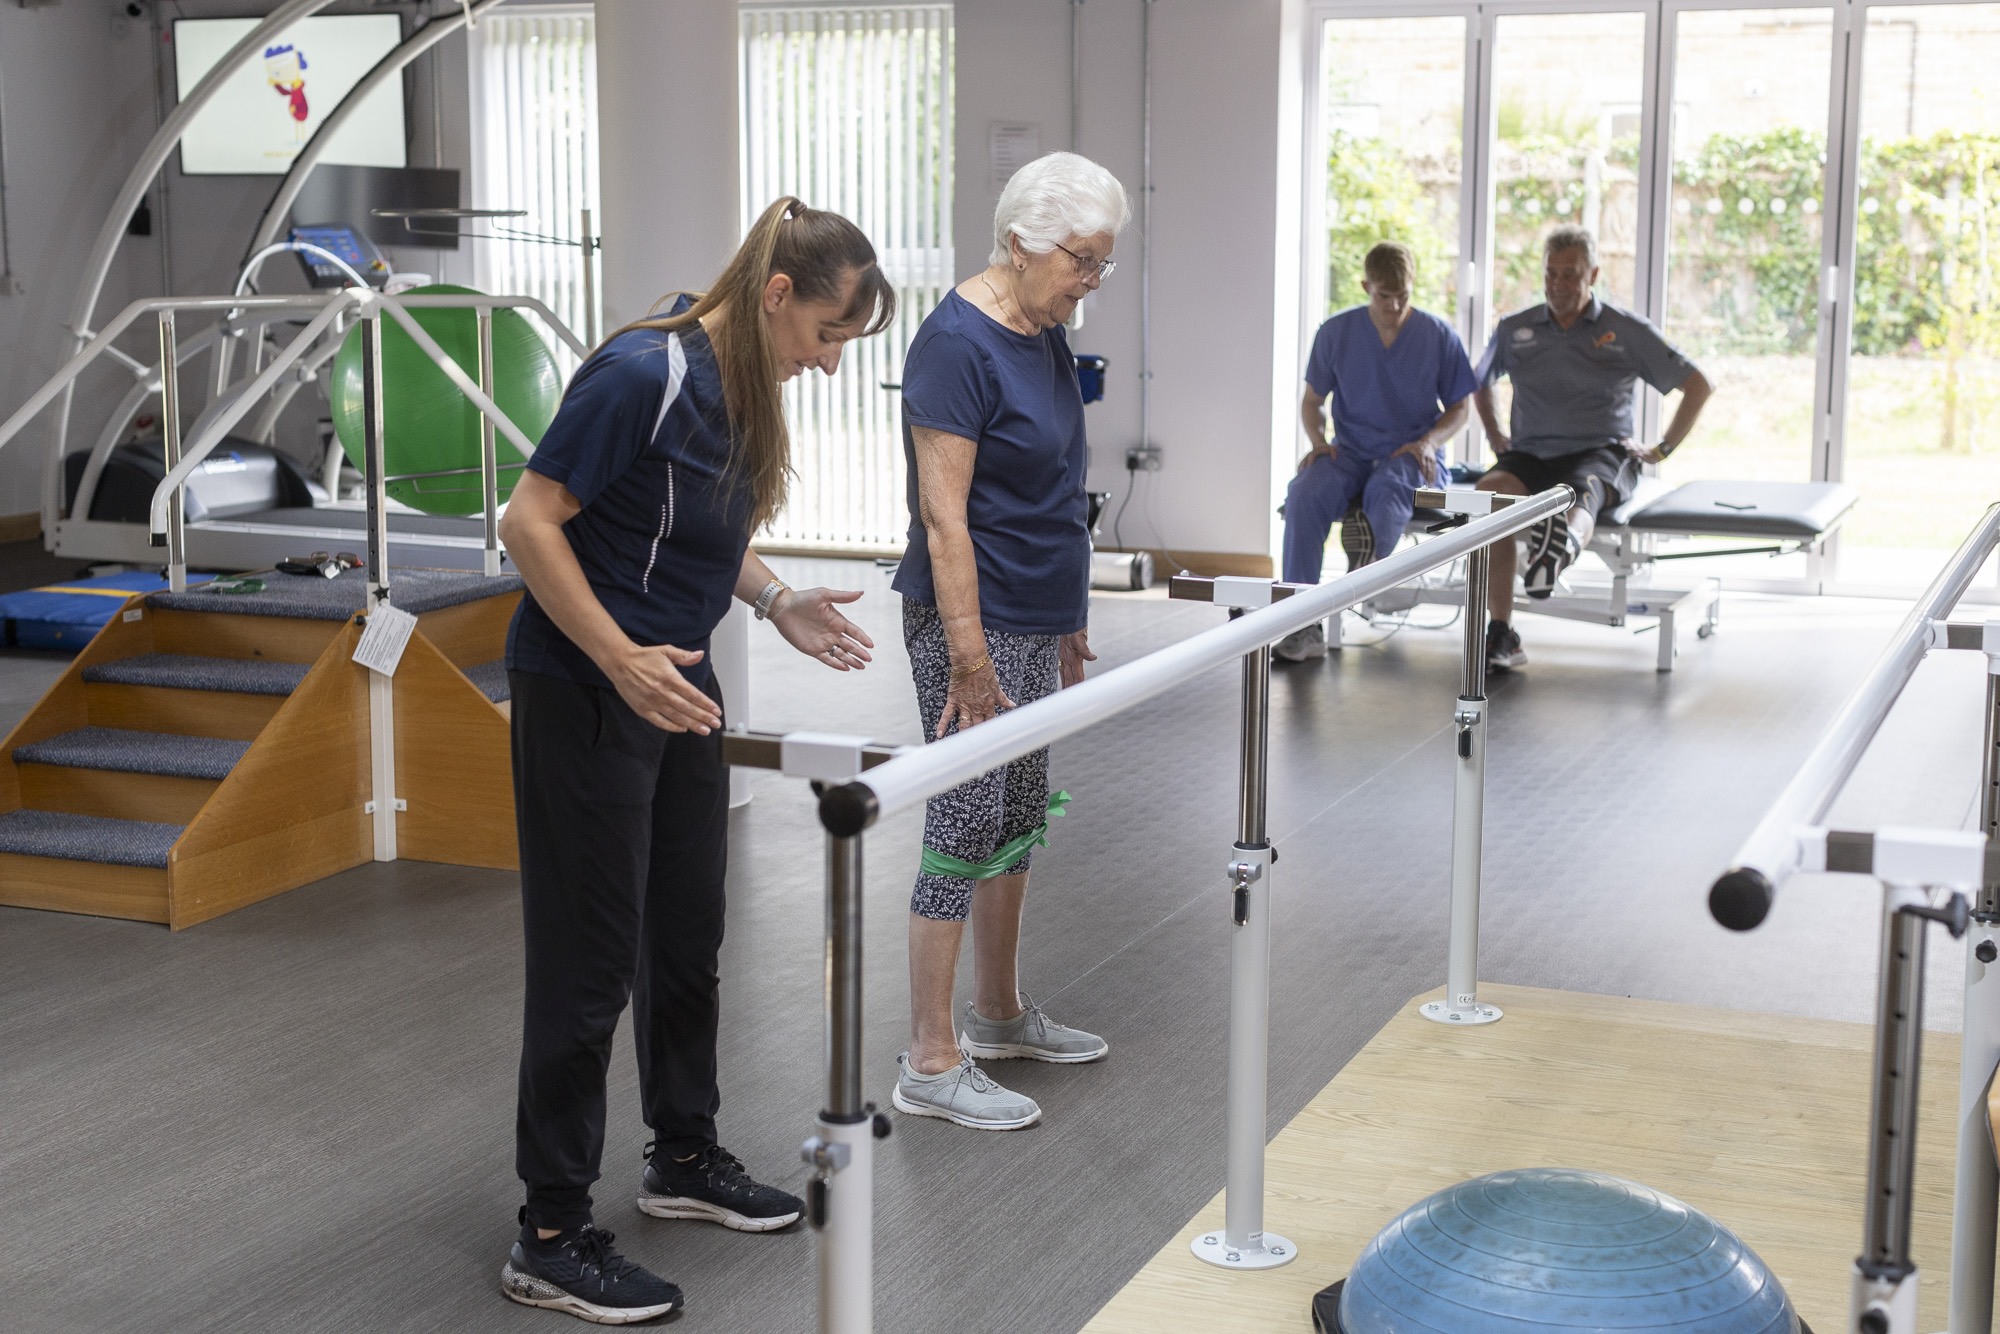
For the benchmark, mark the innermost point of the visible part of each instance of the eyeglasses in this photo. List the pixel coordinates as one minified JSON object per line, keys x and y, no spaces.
{"x":1105,"y":267}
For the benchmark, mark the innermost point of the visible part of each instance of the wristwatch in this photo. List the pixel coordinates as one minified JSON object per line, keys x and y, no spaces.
{"x":768,"y":598}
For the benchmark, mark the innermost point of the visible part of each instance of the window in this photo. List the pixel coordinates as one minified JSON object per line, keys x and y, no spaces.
{"x":849,"y":107}
{"x":535,"y":83}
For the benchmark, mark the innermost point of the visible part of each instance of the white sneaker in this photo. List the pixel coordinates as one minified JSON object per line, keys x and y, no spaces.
{"x":1302,"y":645}
{"x":964,"y":1095}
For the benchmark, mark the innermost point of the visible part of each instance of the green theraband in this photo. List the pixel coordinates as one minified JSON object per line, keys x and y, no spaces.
{"x":1004,"y":859}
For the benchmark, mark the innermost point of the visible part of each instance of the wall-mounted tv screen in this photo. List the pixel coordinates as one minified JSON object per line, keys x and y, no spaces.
{"x":260,"y":119}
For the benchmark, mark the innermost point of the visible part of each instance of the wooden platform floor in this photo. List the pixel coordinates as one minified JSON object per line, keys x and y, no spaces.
{"x":1758,"y":1120}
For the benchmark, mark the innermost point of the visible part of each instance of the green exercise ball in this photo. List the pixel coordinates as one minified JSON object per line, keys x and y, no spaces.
{"x":431,"y":427}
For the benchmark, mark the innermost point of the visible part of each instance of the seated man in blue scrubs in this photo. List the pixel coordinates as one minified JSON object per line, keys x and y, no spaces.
{"x":1575,"y":363}
{"x":1399,"y":382}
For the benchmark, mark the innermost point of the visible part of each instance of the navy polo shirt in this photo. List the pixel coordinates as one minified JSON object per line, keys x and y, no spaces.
{"x":1016,"y":397}
{"x":1385,"y":397}
{"x":1573,"y":388}
{"x":642,"y":441}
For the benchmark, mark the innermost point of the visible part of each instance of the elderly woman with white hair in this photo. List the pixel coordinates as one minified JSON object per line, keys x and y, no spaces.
{"x":996,"y":589}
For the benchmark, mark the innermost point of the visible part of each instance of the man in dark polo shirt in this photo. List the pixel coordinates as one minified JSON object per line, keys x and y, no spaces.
{"x":1575,"y":362}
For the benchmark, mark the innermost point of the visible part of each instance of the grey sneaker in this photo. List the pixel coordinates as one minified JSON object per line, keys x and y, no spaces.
{"x":1300,"y":645}
{"x":965,"y":1095}
{"x":1031,"y":1034}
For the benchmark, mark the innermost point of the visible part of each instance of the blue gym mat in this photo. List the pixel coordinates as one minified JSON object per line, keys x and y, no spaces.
{"x":68,"y":615}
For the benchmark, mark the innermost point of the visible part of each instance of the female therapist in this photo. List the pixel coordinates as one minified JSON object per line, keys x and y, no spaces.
{"x":631,"y":527}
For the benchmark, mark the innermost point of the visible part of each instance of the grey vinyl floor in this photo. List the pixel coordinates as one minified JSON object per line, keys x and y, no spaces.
{"x":298,"y":1116}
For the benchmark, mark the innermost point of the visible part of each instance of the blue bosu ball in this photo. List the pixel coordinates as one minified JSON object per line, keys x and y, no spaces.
{"x":1549,"y":1249}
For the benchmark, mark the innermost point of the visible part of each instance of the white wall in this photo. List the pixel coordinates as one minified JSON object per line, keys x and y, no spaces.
{"x":76,"y":105}
{"x":1220,"y":240}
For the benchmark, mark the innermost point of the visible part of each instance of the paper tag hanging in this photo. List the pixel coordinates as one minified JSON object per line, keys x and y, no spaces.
{"x":381,"y":646}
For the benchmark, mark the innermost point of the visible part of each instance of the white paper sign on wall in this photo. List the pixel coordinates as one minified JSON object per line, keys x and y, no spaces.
{"x":1012,"y":146}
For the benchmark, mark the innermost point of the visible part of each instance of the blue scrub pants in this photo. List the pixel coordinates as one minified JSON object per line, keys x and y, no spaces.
{"x":1321,"y":495}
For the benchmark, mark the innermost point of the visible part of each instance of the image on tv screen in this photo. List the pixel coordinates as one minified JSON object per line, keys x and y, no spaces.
{"x":268,"y":110}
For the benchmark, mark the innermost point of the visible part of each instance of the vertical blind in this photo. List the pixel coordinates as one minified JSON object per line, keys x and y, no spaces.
{"x":537,"y":74}
{"x":849,"y":107}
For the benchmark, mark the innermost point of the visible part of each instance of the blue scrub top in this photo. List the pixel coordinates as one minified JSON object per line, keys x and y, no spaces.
{"x":642,"y":440}
{"x":1382,"y":398}
{"x":1016,"y":397}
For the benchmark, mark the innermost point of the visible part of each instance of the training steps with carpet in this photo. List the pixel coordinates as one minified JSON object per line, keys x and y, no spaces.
{"x":207,"y":750}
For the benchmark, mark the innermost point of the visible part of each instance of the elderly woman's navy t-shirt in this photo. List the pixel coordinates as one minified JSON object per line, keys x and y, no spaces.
{"x":642,"y":441}
{"x":1016,"y":396}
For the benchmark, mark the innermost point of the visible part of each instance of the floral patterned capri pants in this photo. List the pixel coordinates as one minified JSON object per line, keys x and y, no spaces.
{"x":973,"y":820}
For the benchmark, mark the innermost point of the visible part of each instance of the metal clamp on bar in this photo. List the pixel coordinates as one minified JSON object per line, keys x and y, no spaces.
{"x":1956,"y":859}
{"x":1231,"y":590}
{"x":804,"y":754}
{"x":1465,"y":500}
{"x":1242,"y":875}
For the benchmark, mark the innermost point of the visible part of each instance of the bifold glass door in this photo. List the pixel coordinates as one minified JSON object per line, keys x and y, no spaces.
{"x":1804,"y":196}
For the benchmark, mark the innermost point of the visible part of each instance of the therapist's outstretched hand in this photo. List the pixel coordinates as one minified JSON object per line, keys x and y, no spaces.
{"x":810,"y":621}
{"x":648,"y":678}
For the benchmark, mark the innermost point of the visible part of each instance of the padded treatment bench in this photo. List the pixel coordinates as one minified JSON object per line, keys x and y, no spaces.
{"x":1781,"y":517}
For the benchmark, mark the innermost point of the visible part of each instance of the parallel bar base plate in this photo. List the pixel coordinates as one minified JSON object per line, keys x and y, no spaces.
{"x":1275,"y":1251}
{"x":1440,"y":1013}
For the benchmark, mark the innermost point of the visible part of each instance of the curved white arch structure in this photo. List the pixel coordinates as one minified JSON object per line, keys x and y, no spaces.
{"x":137,"y":180}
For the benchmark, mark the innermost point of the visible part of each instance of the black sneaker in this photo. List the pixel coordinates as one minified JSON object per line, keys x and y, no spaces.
{"x":1357,"y":538}
{"x":1552,"y":549}
{"x":580,"y":1273}
{"x":713,"y":1185}
{"x":1503,"y":647}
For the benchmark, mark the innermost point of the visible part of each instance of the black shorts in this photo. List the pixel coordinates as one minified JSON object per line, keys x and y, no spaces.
{"x":1602,"y":477}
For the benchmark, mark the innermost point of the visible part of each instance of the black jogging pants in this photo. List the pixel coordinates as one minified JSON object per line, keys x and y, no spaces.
{"x":624,"y":844}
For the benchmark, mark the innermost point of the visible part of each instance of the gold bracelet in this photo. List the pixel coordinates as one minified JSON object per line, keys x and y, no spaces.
{"x":960,"y":673}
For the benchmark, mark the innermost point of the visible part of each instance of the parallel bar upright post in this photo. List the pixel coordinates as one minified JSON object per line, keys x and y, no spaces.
{"x":589,"y":244}
{"x":381,"y":689}
{"x":170,"y":438}
{"x":1243,"y":1243}
{"x":1975,"y":1201}
{"x":842,"y":1204}
{"x":1461,"y":1003}
{"x":1885,"y":1279}
{"x":489,"y":470}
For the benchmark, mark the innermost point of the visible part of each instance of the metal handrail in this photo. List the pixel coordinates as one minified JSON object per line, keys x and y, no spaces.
{"x":1741,"y":897}
{"x":363,"y":301}
{"x":913,"y":777}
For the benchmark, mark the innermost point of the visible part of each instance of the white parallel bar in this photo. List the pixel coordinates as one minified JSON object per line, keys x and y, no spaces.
{"x":945,"y":764}
{"x":1976,"y":1190}
{"x":1771,"y":851}
{"x":456,"y":374}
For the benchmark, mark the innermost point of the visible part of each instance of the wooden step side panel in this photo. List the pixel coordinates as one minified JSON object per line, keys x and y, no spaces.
{"x":471,"y":632}
{"x":291,"y":812}
{"x":214,"y":634}
{"x":138,"y":893}
{"x":454,"y":764}
{"x":112,"y":793}
{"x":221,"y":713}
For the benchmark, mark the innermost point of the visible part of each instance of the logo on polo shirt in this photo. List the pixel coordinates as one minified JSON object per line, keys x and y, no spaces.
{"x":1523,"y":334}
{"x":1608,"y":336}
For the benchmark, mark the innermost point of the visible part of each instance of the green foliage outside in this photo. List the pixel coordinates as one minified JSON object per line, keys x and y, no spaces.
{"x":1373,"y":195}
{"x":1747,"y":231}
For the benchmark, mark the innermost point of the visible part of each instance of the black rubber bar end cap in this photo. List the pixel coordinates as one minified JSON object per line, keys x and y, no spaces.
{"x":1741,"y":899}
{"x":848,"y":809}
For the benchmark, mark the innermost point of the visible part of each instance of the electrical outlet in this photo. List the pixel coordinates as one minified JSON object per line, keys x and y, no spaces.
{"x":1142,"y":458}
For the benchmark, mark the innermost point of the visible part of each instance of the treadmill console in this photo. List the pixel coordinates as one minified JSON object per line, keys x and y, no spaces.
{"x":353,"y":247}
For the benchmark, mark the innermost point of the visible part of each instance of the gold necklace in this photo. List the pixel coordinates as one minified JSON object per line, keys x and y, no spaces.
{"x":1001,"y":302}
